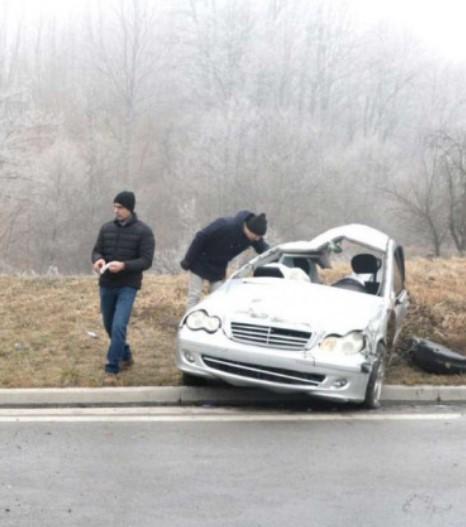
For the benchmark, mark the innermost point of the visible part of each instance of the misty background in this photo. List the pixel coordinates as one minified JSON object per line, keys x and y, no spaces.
{"x":207,"y":107}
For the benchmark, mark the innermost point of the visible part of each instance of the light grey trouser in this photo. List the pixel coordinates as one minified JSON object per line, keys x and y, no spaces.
{"x":195,"y":289}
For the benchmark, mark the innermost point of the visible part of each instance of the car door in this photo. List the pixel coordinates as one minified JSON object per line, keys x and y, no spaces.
{"x":401,"y":294}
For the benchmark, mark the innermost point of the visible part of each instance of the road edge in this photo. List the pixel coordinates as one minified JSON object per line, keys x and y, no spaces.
{"x":186,"y":395}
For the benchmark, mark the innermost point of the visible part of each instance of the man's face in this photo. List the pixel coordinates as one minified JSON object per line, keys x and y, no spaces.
{"x":252,"y":236}
{"x":121,"y":213}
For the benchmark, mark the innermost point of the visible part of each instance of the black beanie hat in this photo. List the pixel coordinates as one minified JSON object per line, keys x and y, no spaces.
{"x":127,"y":199}
{"x":257,"y":224}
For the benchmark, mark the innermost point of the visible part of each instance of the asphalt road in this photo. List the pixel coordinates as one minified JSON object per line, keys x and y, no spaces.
{"x":219,"y":467}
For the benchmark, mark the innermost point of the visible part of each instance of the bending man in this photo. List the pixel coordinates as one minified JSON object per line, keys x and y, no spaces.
{"x":216,"y":245}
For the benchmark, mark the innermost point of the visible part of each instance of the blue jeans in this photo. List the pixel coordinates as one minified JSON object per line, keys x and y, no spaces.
{"x":116,"y":305}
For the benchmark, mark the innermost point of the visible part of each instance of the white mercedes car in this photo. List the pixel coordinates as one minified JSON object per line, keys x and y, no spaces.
{"x":314,"y":317}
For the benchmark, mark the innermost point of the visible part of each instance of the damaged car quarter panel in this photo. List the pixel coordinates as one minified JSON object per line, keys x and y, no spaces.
{"x":284,"y":322}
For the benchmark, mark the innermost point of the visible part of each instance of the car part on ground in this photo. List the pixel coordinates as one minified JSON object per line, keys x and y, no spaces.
{"x":435,"y":358}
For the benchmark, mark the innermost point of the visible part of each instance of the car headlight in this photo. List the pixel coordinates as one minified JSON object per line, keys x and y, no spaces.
{"x":349,"y":344}
{"x":201,"y":320}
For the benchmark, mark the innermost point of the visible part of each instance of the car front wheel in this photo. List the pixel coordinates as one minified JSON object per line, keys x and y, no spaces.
{"x":375,"y":383}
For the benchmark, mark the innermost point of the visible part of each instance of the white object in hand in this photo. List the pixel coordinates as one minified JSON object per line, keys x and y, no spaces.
{"x":104,"y":268}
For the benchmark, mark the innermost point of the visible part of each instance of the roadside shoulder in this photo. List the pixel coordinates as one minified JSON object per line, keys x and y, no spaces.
{"x":185,"y":395}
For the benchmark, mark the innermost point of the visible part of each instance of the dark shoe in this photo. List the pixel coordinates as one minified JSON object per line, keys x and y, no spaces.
{"x":111,"y":379}
{"x":127,"y":364}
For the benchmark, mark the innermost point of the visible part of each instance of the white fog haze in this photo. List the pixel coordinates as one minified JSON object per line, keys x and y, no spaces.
{"x":439,"y":24}
{"x":317,"y":112}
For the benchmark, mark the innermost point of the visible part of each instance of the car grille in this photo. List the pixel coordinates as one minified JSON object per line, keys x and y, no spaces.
{"x":264,"y":373}
{"x":269,"y":336}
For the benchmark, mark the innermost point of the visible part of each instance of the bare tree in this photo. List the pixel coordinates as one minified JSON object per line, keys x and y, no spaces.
{"x":205,"y":107}
{"x":453,"y":148}
{"x":419,"y":196}
{"x":121,"y":48}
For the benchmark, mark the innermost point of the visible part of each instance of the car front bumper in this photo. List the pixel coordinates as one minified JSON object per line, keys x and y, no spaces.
{"x":217,"y":356}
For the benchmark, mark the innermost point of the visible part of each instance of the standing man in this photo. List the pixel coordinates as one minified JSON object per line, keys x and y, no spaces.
{"x":218,"y":243}
{"x":124,"y":249}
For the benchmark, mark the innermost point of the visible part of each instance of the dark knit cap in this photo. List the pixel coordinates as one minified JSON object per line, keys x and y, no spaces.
{"x":257,"y":224}
{"x":127,"y":199}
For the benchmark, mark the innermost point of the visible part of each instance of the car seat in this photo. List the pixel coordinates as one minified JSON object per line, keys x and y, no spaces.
{"x":278,"y":270}
{"x":302,"y":263}
{"x":269,"y":270}
{"x":366,"y":263}
{"x":351,"y":283}
{"x":308,"y":266}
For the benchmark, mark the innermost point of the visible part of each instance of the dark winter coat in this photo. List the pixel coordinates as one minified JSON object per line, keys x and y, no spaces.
{"x":218,"y":243}
{"x":132,"y":243}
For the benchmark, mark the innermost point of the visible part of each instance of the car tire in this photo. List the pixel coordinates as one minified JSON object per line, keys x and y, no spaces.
{"x":187,"y":379}
{"x":375,"y":382}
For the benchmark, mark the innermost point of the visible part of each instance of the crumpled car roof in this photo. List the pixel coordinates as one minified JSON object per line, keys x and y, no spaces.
{"x":354,"y":232}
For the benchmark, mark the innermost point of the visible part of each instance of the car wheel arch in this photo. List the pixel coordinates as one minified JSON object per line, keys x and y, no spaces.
{"x":375,"y":379}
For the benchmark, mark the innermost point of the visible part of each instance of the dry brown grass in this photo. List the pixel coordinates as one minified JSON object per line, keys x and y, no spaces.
{"x":437,"y":312}
{"x":45,"y":325}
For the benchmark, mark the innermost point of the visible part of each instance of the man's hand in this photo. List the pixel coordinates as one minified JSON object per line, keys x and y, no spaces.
{"x":98,"y":264}
{"x":116,"y":267}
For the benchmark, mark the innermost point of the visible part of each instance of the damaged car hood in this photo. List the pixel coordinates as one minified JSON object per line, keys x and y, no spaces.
{"x":295,"y":304}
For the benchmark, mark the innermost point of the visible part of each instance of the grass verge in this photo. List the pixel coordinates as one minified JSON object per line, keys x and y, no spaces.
{"x":52,"y":335}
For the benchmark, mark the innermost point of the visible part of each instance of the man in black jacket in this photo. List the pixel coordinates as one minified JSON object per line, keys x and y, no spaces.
{"x":218,"y":243}
{"x":124,"y":249}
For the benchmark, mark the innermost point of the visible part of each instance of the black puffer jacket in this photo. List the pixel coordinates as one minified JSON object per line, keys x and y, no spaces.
{"x":132,"y":243}
{"x":218,"y":243}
